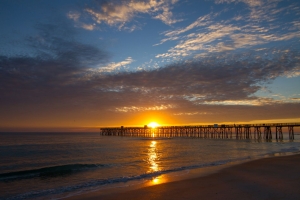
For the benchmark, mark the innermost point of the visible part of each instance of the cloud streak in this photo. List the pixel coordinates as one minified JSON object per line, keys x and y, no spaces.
{"x":251,"y":3}
{"x":114,"y":66}
{"x":262,"y":24}
{"x":118,"y":14}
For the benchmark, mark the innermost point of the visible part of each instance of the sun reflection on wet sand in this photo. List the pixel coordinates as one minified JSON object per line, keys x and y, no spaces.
{"x":156,"y":181}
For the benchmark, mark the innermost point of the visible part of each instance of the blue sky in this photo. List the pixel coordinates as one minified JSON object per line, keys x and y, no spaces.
{"x":105,"y":63}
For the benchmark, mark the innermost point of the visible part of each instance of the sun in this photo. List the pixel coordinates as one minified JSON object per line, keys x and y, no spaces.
{"x":153,"y":125}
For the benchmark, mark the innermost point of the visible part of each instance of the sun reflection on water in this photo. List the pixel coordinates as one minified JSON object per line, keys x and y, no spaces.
{"x":153,"y":160}
{"x":153,"y":157}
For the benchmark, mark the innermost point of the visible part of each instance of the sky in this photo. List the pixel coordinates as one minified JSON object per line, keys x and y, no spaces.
{"x":76,"y":65}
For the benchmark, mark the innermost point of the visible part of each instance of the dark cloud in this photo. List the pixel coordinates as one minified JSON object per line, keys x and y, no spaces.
{"x":58,"y":41}
{"x":190,"y":83}
{"x":213,"y":79}
{"x":51,"y":73}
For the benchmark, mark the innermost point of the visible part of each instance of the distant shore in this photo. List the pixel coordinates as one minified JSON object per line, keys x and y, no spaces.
{"x":267,"y":178}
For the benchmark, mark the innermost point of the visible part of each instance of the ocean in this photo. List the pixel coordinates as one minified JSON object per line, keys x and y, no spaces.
{"x":57,"y":165}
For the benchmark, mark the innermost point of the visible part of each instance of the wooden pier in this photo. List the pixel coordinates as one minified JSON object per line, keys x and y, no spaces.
{"x":238,"y":131}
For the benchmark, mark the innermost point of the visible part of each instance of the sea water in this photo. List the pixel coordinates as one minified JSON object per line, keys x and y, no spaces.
{"x":56,"y":165}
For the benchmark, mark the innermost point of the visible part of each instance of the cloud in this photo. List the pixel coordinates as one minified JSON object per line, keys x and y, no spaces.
{"x":73,"y":15}
{"x":192,"y":113}
{"x":201,"y":21}
{"x":294,"y":73}
{"x":52,"y":71}
{"x":210,"y":87}
{"x":201,"y":41}
{"x":141,"y":109}
{"x":79,"y":74}
{"x":166,"y":16}
{"x":296,"y":99}
{"x":116,"y":13}
{"x":210,"y":33}
{"x":64,"y":78}
{"x":226,"y":79}
{"x":58,"y":42}
{"x":296,"y":24}
{"x":89,"y":27}
{"x":114,"y":66}
{"x":173,"y":35}
{"x":251,"y":3}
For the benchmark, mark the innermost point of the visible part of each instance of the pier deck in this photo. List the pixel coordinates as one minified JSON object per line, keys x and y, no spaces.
{"x":238,"y":131}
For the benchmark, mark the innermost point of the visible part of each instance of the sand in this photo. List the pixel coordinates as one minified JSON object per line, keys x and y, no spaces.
{"x":268,"y":178}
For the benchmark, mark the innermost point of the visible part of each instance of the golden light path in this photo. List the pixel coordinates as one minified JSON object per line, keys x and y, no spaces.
{"x":152,"y":159}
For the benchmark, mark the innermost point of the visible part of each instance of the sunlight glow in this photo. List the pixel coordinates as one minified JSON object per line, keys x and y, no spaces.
{"x":153,"y":124}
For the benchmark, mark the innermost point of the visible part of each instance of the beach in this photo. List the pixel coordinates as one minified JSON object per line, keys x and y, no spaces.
{"x":267,"y":178}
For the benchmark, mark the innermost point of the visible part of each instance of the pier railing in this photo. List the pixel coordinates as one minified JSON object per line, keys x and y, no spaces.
{"x":239,"y":131}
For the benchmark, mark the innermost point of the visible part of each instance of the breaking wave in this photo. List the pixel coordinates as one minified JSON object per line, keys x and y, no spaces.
{"x":53,"y":171}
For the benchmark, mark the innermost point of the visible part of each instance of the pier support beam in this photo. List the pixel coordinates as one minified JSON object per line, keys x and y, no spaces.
{"x":257,"y":132}
{"x":267,"y":133}
{"x":291,"y":132}
{"x":229,"y":131}
{"x":238,"y":132}
{"x":279,"y":134}
{"x":247,"y":132}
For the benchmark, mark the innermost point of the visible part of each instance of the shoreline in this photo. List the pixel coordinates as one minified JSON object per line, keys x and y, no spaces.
{"x":275,"y":177}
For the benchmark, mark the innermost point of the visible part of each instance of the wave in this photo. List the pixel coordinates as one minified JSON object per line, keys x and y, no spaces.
{"x":98,"y":183}
{"x":47,"y":172}
{"x":290,"y":149}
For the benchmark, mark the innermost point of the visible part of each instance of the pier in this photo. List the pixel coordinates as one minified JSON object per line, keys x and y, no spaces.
{"x":224,"y":131}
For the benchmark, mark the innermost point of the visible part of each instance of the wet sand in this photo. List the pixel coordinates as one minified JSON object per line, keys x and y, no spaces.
{"x":268,"y":178}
